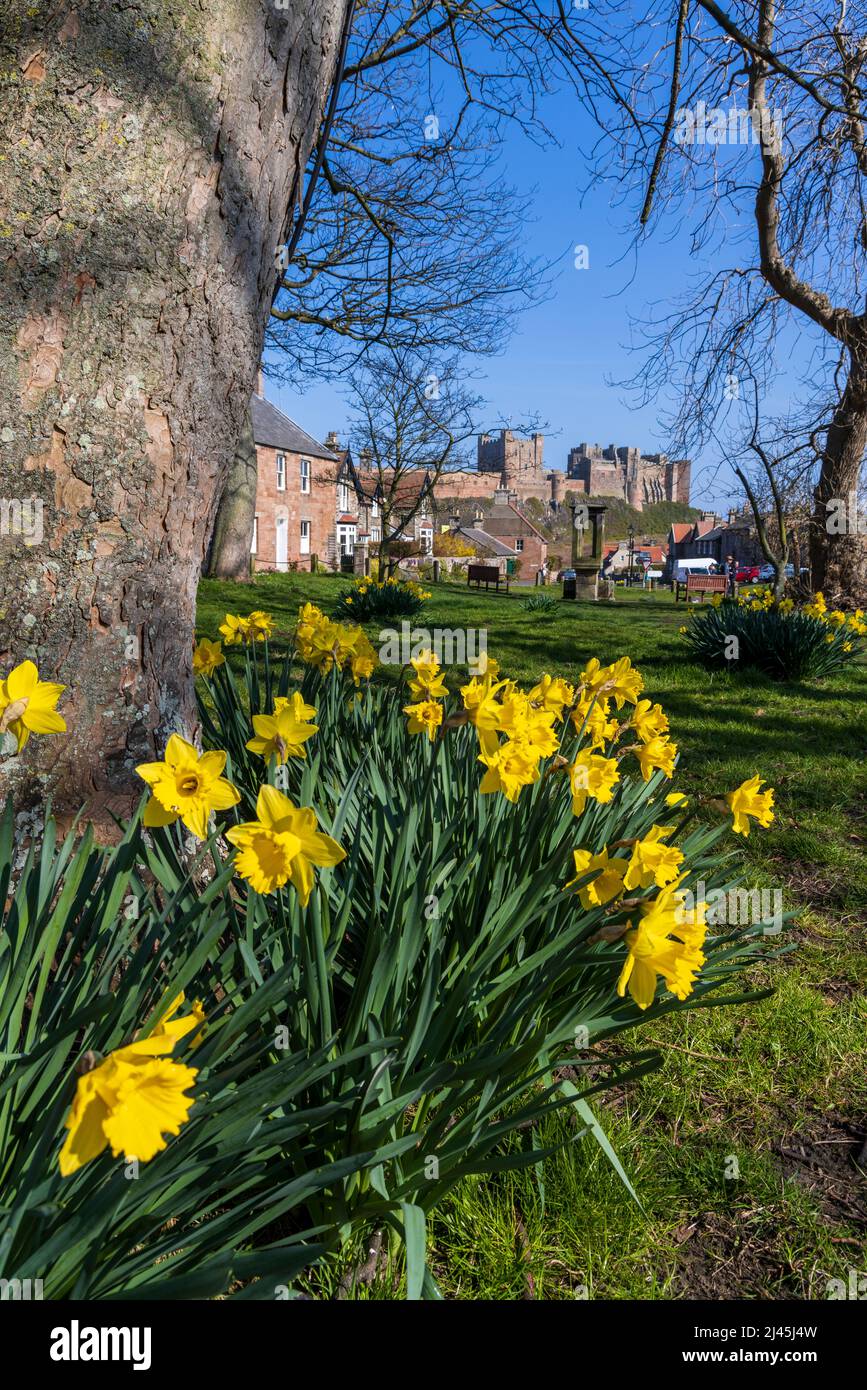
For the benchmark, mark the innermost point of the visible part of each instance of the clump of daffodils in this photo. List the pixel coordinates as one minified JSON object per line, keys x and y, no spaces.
{"x":326,"y":644}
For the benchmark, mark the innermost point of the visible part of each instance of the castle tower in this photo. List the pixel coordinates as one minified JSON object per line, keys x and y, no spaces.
{"x":556,"y":480}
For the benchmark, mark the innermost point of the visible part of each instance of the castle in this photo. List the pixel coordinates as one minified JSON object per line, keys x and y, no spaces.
{"x":513,"y":463}
{"x":623,"y":471}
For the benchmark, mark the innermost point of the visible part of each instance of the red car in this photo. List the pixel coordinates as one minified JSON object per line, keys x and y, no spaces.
{"x":747,"y":574}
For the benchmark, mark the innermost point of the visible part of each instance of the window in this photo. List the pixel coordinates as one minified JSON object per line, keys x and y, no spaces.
{"x":305,"y":476}
{"x":343,"y":497}
{"x":304,"y":546}
{"x":375,"y":533}
{"x":374,"y":508}
{"x":281,"y":472}
{"x":519,"y":544}
{"x":346,"y":539}
{"x":255,"y":543}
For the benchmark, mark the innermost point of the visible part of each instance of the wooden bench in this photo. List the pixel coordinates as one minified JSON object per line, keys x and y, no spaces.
{"x":487,"y":575}
{"x":700,"y":584}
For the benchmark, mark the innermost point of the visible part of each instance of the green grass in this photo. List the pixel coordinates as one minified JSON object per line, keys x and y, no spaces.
{"x":775,"y":1092}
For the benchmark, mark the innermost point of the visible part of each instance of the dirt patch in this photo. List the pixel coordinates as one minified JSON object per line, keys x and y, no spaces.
{"x":825,"y":1162}
{"x":729,"y":1256}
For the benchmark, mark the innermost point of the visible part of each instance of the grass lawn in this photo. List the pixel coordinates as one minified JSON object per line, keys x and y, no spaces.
{"x":743,"y":1146}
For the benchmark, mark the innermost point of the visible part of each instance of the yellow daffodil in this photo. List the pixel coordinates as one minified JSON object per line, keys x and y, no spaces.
{"x":667,"y":941}
{"x":510,"y":766}
{"x":608,"y":882}
{"x":424,"y":718}
{"x":282,"y":846}
{"x":28,"y":705}
{"x":648,"y":721}
{"x":428,"y":684}
{"x":187,"y":786}
{"x":591,"y":776}
{"x":207,"y":656}
{"x":283,"y":734}
{"x":256,"y":627}
{"x":590,"y":717}
{"x":553,"y":694}
{"x":748,"y":801}
{"x":484,"y":709}
{"x":676,"y":799}
{"x":657,"y":753}
{"x":133,"y":1097}
{"x":653,"y":861}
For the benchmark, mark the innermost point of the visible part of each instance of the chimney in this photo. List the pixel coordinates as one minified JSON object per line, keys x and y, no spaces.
{"x":260,"y":384}
{"x":478,"y":516}
{"x":454,"y":520}
{"x":332,"y":441}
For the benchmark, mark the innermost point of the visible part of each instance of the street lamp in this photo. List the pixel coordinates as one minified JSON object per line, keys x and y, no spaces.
{"x":631,"y":555}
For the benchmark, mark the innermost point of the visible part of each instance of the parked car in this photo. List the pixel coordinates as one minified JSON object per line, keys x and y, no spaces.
{"x":748,"y":574}
{"x":565,"y":574}
{"x":766,"y":573}
{"x":704,"y":565}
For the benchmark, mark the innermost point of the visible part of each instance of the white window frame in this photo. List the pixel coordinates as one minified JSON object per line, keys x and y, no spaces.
{"x":281,"y":472}
{"x":254,"y":544}
{"x":374,"y":508}
{"x":304,"y":467}
{"x":343,"y":497}
{"x":346,"y":534}
{"x":304,"y":538}
{"x":519,"y":544}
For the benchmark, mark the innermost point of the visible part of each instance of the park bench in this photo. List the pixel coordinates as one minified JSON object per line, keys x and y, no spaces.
{"x":487,"y":575}
{"x":700,"y":584}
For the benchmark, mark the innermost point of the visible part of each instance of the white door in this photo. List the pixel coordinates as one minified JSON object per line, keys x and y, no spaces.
{"x":282,"y":542}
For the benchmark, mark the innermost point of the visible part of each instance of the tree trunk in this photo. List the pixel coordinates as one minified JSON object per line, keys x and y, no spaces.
{"x":150,"y":156}
{"x":838,"y":555}
{"x":233,"y":528}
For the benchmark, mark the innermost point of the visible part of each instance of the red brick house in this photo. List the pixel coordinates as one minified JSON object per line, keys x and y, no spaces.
{"x":296,"y":492}
{"x":507,"y":522}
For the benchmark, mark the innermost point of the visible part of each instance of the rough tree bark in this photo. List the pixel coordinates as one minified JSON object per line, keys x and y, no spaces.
{"x":236,"y":511}
{"x":150,"y":154}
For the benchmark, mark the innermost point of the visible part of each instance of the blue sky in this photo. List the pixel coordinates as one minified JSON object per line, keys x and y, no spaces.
{"x":559,"y":362}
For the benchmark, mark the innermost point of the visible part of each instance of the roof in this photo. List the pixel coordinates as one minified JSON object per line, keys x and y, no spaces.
{"x":681,"y":529}
{"x":479,"y":537}
{"x":346,"y":519}
{"x":275,"y":430}
{"x":704,"y":528}
{"x":501,"y":520}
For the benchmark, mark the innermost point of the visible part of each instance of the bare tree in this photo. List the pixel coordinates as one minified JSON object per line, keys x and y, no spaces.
{"x":409,"y":427}
{"x":751,"y":116}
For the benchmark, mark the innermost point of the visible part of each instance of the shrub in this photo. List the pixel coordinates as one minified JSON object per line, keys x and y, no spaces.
{"x":545,"y":604}
{"x":783,"y":640}
{"x":369,"y":600}
{"x":416,"y":908}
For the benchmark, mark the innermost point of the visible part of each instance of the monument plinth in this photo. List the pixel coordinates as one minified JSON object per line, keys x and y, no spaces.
{"x":588,"y":527}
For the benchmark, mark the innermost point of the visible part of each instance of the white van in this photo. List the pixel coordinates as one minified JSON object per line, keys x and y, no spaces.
{"x":705,"y":565}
